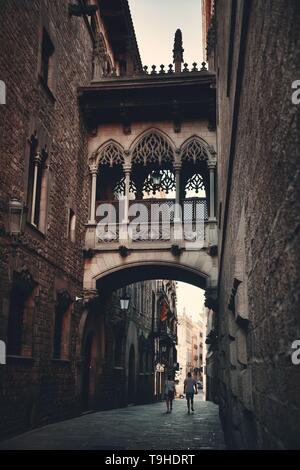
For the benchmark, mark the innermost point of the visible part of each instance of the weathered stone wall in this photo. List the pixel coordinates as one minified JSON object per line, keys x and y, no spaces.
{"x":115,"y":131}
{"x":258,"y":164}
{"x":34,"y":391}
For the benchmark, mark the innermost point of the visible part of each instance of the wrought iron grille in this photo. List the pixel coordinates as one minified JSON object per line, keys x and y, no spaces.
{"x":119,"y":189}
{"x":195,"y":183}
{"x":167,"y":184}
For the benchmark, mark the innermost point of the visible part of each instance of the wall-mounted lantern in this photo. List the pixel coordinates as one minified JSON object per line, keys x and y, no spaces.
{"x":16,"y":210}
{"x":124,"y":301}
{"x":156,"y":177}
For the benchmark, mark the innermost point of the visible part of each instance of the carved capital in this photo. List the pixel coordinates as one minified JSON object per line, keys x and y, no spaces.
{"x":177,"y":166}
{"x":127,"y":167}
{"x":93,"y":165}
{"x":211,"y":165}
{"x":37,"y":158}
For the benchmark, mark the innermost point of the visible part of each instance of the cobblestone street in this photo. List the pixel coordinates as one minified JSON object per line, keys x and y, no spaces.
{"x":138,"y":427}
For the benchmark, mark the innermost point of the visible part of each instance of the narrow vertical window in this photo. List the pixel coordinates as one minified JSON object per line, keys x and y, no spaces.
{"x":47,"y":60}
{"x":37,"y":187}
{"x":72,"y":225}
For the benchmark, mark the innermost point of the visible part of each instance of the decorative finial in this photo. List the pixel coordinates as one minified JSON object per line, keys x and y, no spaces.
{"x":178,"y":51}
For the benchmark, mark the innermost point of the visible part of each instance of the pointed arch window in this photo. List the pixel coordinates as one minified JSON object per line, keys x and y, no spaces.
{"x":37,"y":185}
{"x":152,"y":148}
{"x":194,"y":151}
{"x":111,"y":155}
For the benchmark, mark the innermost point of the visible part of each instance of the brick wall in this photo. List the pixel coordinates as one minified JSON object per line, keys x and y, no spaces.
{"x":34,"y":391}
{"x":258,"y":152}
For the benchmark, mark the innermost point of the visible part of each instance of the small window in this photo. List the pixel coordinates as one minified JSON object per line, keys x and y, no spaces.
{"x":47,"y":60}
{"x":72,"y":225}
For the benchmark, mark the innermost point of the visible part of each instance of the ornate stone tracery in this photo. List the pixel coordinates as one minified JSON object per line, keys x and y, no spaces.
{"x":111,"y":155}
{"x":194,"y":151}
{"x":152,"y":148}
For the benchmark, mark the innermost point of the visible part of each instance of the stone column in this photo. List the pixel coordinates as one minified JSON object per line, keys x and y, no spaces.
{"x":37,"y":163}
{"x":178,"y":219}
{"x":123,"y":235}
{"x":127,"y":171}
{"x":212,"y":167}
{"x":177,"y":167}
{"x":94,"y":171}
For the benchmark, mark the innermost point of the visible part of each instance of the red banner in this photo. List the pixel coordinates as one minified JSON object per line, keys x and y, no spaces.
{"x":164,"y":312}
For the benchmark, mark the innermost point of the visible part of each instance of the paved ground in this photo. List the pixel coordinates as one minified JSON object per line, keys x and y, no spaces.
{"x":137,"y":427}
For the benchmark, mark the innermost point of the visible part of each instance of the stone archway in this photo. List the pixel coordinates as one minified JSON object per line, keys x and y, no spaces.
{"x":107,"y":268}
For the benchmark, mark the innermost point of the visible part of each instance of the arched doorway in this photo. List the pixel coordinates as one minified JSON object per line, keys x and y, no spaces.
{"x":131,"y":376}
{"x":89,"y":372}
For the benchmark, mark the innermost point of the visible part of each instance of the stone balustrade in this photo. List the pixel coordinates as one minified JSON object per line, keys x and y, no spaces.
{"x":159,"y":71}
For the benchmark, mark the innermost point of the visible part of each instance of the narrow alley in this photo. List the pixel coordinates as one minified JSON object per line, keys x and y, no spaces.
{"x":149,"y":226}
{"x":143,"y":427}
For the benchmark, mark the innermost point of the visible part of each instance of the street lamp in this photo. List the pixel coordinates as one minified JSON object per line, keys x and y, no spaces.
{"x":124,"y":302}
{"x":15,"y":216}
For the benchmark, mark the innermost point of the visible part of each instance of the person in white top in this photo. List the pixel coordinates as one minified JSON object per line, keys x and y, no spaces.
{"x":169,"y":392}
{"x":190,"y":387}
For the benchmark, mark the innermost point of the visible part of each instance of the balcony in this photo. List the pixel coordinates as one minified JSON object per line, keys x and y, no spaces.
{"x":151,"y":224}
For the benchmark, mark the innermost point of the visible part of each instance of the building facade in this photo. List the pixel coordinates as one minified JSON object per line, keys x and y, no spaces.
{"x":257,"y":319}
{"x":165,"y":336}
{"x":43,"y":195}
{"x":191,"y":334}
{"x":48,"y":49}
{"x":84,"y":125}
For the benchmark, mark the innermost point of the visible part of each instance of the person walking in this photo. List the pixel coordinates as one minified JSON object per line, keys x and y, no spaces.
{"x":190,"y":387}
{"x":169,"y":392}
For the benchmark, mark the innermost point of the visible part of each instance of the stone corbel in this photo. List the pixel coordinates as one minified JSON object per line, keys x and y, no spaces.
{"x":91,"y":124}
{"x":90,"y":296}
{"x":176,"y":117}
{"x":125,"y":120}
{"x":211,"y":115}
